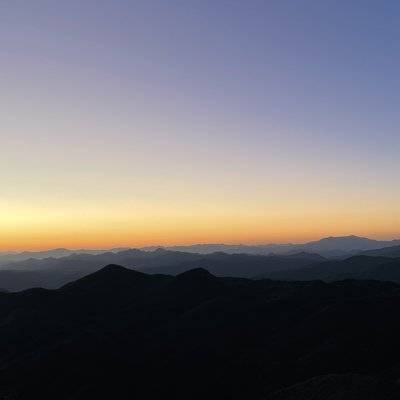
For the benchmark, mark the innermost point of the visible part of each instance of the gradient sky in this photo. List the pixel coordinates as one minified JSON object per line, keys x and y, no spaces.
{"x":162,"y":122}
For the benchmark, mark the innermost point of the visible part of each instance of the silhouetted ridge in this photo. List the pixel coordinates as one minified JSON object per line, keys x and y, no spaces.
{"x":195,"y":274}
{"x":119,"y":333}
{"x":52,"y":273}
{"x":196,"y":284}
{"x":110,"y":277}
{"x":328,"y":247}
{"x":197,"y":278}
{"x":117,"y":269}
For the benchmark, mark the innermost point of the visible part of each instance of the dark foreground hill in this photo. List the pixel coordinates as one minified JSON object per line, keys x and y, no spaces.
{"x":120,"y":333}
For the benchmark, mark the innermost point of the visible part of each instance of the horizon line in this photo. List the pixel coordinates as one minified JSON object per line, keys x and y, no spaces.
{"x":140,"y":247}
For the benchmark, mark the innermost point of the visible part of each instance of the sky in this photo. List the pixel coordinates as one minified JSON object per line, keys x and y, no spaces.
{"x":129,"y":123}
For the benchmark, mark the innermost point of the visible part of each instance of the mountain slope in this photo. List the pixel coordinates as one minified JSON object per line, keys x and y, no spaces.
{"x":357,"y":267}
{"x":119,"y":333}
{"x":393,"y":251}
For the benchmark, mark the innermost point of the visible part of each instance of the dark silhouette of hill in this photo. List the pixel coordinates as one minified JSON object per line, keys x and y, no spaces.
{"x":357,"y":267}
{"x":55,"y":272}
{"x":122,"y":279}
{"x":119,"y":333}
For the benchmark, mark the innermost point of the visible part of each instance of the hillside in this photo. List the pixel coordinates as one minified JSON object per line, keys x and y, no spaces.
{"x":119,"y":333}
{"x":392,"y":251}
{"x":357,"y":267}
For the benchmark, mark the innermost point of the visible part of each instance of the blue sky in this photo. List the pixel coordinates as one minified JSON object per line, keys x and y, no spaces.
{"x":275,"y":120}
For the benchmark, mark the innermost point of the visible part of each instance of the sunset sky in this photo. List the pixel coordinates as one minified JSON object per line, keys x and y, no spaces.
{"x":129,"y":123}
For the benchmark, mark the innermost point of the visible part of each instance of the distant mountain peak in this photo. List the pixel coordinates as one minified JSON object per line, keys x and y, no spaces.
{"x":160,"y":250}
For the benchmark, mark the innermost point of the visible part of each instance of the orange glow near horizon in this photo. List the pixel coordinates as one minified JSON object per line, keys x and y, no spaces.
{"x":158,"y":129}
{"x":40,"y":230}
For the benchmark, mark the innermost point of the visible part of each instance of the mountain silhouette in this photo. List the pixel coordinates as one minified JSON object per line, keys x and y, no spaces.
{"x":54,"y":272}
{"x":121,"y":333}
{"x":342,"y":246}
{"x":7,"y":258}
{"x":327,"y":247}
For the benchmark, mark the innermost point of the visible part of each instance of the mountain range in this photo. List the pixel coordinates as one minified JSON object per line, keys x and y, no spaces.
{"x":10,"y":257}
{"x":329,"y":247}
{"x":120,"y":333}
{"x":54,"y":272}
{"x":343,"y":246}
